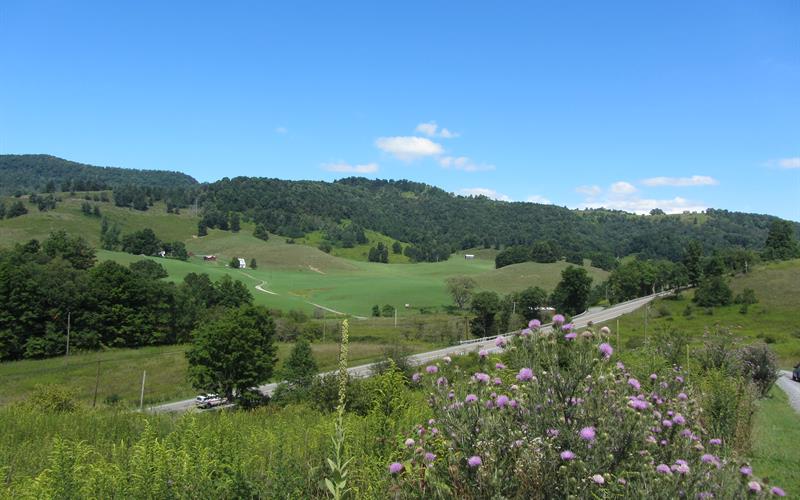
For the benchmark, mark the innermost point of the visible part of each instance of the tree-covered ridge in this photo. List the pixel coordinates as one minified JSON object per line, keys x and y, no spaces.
{"x":38,"y":173}
{"x":439,"y":223}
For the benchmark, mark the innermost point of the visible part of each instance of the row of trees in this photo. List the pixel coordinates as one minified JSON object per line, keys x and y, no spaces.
{"x":494,"y":314}
{"x":47,"y":285}
{"x":16,"y":209}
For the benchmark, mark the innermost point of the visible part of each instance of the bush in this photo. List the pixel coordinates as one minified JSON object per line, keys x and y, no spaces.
{"x":760,"y":365}
{"x":51,"y":399}
{"x":713,"y":291}
{"x":728,"y":404}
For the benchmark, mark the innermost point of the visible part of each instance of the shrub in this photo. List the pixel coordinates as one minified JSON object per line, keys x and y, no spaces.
{"x":51,"y":399}
{"x":760,"y":364}
{"x":728,"y":404}
{"x":713,"y":291}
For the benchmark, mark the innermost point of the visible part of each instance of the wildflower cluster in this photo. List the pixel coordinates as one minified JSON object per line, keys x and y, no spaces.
{"x":557,"y":414}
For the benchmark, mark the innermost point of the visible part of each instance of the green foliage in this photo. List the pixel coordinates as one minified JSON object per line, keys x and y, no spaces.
{"x":261,"y":232}
{"x":379,"y":253}
{"x":16,"y":209}
{"x":387,"y":310}
{"x":728,"y":404}
{"x":781,"y":243}
{"x":235,"y":223}
{"x":149,"y":269}
{"x":713,"y":291}
{"x":234,"y":352}
{"x":143,"y":242}
{"x":73,"y":249}
{"x":571,"y":295}
{"x":51,"y":399}
{"x":300,"y":368}
{"x":376,"y":311}
{"x":485,"y":306}
{"x":760,"y":366}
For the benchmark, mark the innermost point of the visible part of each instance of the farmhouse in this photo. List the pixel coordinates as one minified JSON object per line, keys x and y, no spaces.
{"x":469,"y":256}
{"x":242,"y":263}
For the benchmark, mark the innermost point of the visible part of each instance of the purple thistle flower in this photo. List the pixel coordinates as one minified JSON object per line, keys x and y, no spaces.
{"x":605,"y":330}
{"x":754,"y":486}
{"x":606,"y":350}
{"x":679,"y":419}
{"x":571,"y":336}
{"x":502,"y":401}
{"x":497,"y":381}
{"x":567,"y":455}
{"x":682,"y":396}
{"x":395,"y":468}
{"x":746,"y":471}
{"x":634,"y":383}
{"x":431,"y":368}
{"x":553,"y":432}
{"x":567,"y":327}
{"x":715,"y":441}
{"x":588,"y":433}
{"x":415,"y":378}
{"x":708,"y":458}
{"x":681,"y":468}
{"x":663,"y":469}
{"x":653,"y":376}
{"x":598,"y":479}
{"x":527,"y":332}
{"x":471,"y":398}
{"x":500,"y":366}
{"x":558,"y":319}
{"x":441,"y":381}
{"x":667,"y":423}
{"x":534,"y":324}
{"x":482,"y":377}
{"x":489,"y":404}
{"x":409,"y":443}
{"x":474,"y":461}
{"x":500,"y":342}
{"x":777,"y":491}
{"x":525,"y":374}
{"x":430,"y":457}
{"x":483,"y":353}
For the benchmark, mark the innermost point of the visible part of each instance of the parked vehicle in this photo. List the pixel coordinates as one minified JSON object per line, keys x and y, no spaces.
{"x":796,"y":373}
{"x":209,"y":401}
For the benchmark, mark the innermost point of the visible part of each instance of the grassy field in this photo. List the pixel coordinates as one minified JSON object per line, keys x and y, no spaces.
{"x":775,"y":319}
{"x":359,"y":252}
{"x":776,"y":432}
{"x":120,"y":370}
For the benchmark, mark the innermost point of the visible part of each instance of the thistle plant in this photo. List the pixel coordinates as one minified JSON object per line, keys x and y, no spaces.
{"x":337,"y":483}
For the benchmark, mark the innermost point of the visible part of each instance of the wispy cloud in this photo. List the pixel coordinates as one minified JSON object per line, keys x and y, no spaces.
{"x":489,"y":193}
{"x":537,"y":198}
{"x":409,"y":148}
{"x":591,"y":191}
{"x":695,"y":180}
{"x":431,"y":129}
{"x":793,"y":162}
{"x":622,"y":187}
{"x":281,"y":130}
{"x":341,"y":166}
{"x":463,"y":163}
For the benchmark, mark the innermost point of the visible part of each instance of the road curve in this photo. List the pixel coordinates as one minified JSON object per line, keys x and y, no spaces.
{"x":580,"y":321}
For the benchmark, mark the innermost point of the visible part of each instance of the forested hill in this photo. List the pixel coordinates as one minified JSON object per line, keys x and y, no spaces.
{"x":438,"y":222}
{"x":38,"y":173}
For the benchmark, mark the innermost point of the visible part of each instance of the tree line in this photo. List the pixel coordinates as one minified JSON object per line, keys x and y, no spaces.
{"x":44,"y":286}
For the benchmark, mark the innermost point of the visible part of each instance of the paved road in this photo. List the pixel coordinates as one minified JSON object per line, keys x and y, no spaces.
{"x":419,"y":359}
{"x":791,"y":388}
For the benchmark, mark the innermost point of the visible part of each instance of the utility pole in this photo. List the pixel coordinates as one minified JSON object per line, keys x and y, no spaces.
{"x":96,"y":385}
{"x":618,"y":344}
{"x":69,"y":314}
{"x":646,"y":309}
{"x":141,"y":395}
{"x":395,"y":317}
{"x":514,"y":307}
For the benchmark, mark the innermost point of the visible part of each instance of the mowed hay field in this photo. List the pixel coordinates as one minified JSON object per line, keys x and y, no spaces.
{"x":775,"y":319}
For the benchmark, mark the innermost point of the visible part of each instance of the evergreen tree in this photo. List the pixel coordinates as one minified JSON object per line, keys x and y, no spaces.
{"x":253,"y":263}
{"x":260,"y":232}
{"x":202,"y":229}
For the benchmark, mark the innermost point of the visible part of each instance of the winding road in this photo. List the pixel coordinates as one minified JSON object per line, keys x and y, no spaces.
{"x":487,"y":343}
{"x":791,"y":388}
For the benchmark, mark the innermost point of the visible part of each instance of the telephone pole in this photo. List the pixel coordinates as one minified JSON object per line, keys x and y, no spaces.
{"x":141,"y":395}
{"x":69,"y":314}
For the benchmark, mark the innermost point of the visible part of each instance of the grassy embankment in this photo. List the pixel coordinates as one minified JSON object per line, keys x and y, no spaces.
{"x":776,"y":432}
{"x":775,"y":319}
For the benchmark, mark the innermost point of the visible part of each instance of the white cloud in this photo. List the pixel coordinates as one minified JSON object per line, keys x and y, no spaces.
{"x":537,"y":198}
{"x":644,"y":205}
{"x":354,"y":169}
{"x":695,"y":180}
{"x":623,"y":187}
{"x":793,"y":162}
{"x":590,"y":191}
{"x":463,"y":163}
{"x":489,"y":193}
{"x":431,"y":129}
{"x":408,"y":148}
{"x":281,"y":130}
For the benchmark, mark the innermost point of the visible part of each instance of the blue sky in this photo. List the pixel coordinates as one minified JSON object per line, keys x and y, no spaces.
{"x":631,"y":105}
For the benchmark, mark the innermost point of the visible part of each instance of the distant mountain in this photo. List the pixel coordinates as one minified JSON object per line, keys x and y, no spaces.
{"x":27,"y":173}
